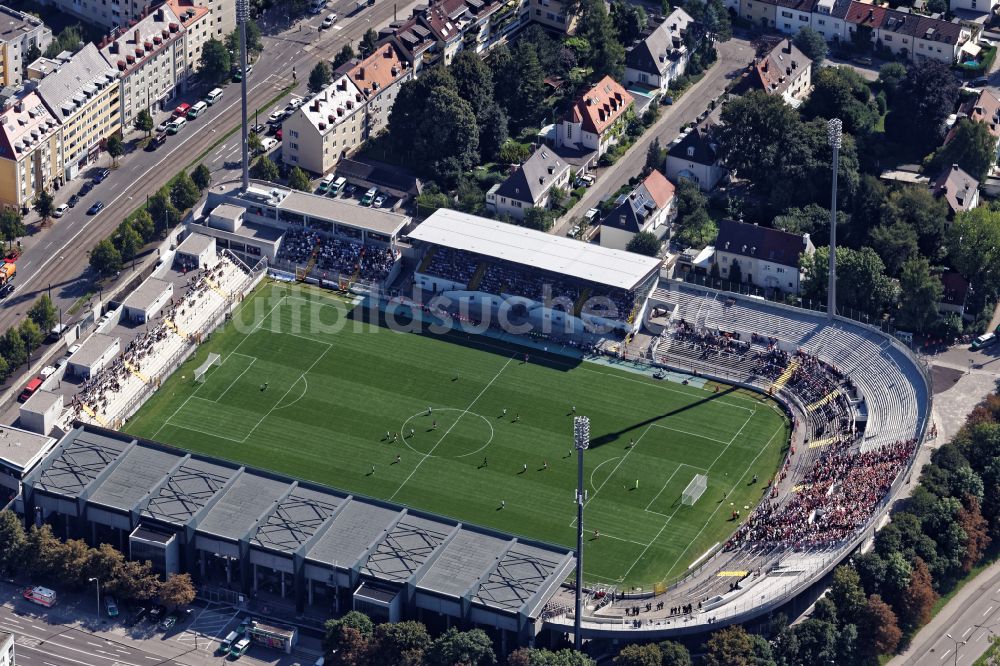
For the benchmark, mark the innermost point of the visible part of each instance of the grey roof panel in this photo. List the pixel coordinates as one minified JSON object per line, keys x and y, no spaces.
{"x":81,"y":461}
{"x":353,"y":530}
{"x":141,"y":469}
{"x":237,"y":512}
{"x":464,"y":560}
{"x":405,"y":548}
{"x":518,"y":575}
{"x":188,"y":490}
{"x":296,"y":519}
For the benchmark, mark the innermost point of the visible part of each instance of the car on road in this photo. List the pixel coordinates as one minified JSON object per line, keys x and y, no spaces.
{"x":102,"y":175}
{"x":85,"y":189}
{"x":182,"y":110}
{"x":96,"y":208}
{"x":73,"y":200}
{"x":60,"y":210}
{"x":168,"y":622}
{"x":276,"y":116}
{"x":267,"y":144}
{"x":238,"y":74}
{"x":111,"y":606}
{"x":157,"y":141}
{"x":294,"y":103}
{"x":329,"y":20}
{"x":162,"y":127}
{"x":259,"y":129}
{"x":6,"y":290}
{"x":176,"y":125}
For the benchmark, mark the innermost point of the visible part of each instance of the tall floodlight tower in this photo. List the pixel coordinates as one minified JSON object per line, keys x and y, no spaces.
{"x":833,"y":130}
{"x":581,"y":439}
{"x":242,"y":16}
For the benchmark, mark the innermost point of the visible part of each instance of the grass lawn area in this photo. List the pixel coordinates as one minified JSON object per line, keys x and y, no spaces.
{"x":309,"y":385}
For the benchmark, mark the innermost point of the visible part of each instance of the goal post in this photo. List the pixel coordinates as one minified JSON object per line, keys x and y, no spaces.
{"x":694,"y":489}
{"x":199,"y":373}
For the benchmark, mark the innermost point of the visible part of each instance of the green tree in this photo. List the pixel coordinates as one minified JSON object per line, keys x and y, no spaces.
{"x":177,"y":590}
{"x":971,"y":147}
{"x":12,"y":348}
{"x":731,"y":646}
{"x":919,"y":294}
{"x":920,"y":210}
{"x":431,"y":199}
{"x":354,"y":620}
{"x":840,"y":92}
{"x":32,"y":54}
{"x":802,"y":175}
{"x":183,"y":192}
{"x":469,"y":648}
{"x":540,"y":219}
{"x":115,"y":148}
{"x":105,"y":563}
{"x":542,"y":657}
{"x":255,"y":43}
{"x":105,"y":258}
{"x":12,"y":542}
{"x":918,"y":599}
{"x":812,"y":44}
{"x":925,"y":98}
{"x":607,"y":55}
{"x":202,"y":177}
{"x":697,"y":230}
{"x":513,"y":152}
{"x":846,"y":592}
{"x":144,"y":122}
{"x":128,"y":241}
{"x":811,"y":219}
{"x":639,"y":655}
{"x":895,"y":244}
{"x":4,"y":369}
{"x":752,"y":135}
{"x":448,"y":139}
{"x":215,"y":62}
{"x":655,"y":155}
{"x":43,"y":312}
{"x":137,"y":580}
{"x":399,"y":644}
{"x":320,"y":76}
{"x":628,"y":20}
{"x":368,"y":43}
{"x":890,"y":76}
{"x":32,"y":335}
{"x":493,"y":133}
{"x":473,"y":80}
{"x":43,"y":550}
{"x":254,"y":142}
{"x":974,"y":250}
{"x":11,"y":225}
{"x":879,"y":631}
{"x":299,"y":180}
{"x":43,"y":204}
{"x":645,"y":243}
{"x":861,"y":280}
{"x":165,"y":215}
{"x":344,"y":56}
{"x":522,"y":101}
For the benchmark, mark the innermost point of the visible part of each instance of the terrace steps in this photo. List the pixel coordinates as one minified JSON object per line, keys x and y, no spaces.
{"x":477,"y":277}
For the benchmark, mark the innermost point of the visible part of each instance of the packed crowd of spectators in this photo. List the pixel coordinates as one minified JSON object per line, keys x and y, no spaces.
{"x":371,"y":262}
{"x":710,"y":341}
{"x":837,"y":497}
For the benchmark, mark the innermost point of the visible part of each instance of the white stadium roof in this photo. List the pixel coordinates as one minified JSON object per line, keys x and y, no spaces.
{"x":519,"y":245}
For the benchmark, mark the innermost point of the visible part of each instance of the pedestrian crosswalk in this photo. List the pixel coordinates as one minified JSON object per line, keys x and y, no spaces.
{"x":209,"y":627}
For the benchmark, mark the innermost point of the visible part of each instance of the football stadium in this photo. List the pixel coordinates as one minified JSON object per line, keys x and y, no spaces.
{"x":328,"y":409}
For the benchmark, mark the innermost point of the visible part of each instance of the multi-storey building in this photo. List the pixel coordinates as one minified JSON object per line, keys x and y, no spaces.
{"x":596,"y":120}
{"x":829,"y":18}
{"x":783,"y":71}
{"x":197,"y":22}
{"x":379,"y":77}
{"x":30,"y":151}
{"x":662,"y":56}
{"x":552,"y":14}
{"x":325,"y":129}
{"x":150,"y":60}
{"x":19,"y":32}
{"x":84,"y":96}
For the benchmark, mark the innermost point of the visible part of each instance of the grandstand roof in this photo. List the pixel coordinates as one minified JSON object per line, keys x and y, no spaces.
{"x":519,"y":245}
{"x":193,"y":496}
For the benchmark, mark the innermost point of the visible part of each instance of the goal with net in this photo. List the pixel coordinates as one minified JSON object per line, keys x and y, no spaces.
{"x":694,"y":490}
{"x":199,"y":374}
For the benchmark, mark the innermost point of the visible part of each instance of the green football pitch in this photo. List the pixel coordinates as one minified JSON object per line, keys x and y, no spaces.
{"x":308,"y":386}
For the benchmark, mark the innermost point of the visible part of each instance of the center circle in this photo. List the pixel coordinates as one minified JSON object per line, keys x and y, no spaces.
{"x":458,"y":433}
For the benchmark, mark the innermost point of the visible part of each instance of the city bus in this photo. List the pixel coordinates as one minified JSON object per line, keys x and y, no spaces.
{"x":42,"y":596}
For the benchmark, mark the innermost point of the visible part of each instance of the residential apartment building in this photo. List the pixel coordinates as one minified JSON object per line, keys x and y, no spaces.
{"x":765,"y":257}
{"x":662,"y":56}
{"x":597,"y":118}
{"x":790,"y":16}
{"x":19,"y":32}
{"x":974,"y":6}
{"x":84,"y":96}
{"x":917,"y":38}
{"x":552,"y":14}
{"x":197,"y":22}
{"x":329,"y":127}
{"x":759,"y":12}
{"x":959,"y":190}
{"x":650,"y":207}
{"x":223,"y":16}
{"x":150,"y":61}
{"x":530,"y":186}
{"x":30,"y":151}
{"x":829,"y":18}
{"x":784,"y":71}
{"x":379,"y":77}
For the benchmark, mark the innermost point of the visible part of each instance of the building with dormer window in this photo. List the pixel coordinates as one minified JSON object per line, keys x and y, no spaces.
{"x":30,"y":151}
{"x":596,"y":120}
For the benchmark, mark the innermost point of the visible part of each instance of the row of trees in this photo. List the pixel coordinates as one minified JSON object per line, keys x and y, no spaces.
{"x":163,"y":211}
{"x":37,"y":553}
{"x":218,"y":58}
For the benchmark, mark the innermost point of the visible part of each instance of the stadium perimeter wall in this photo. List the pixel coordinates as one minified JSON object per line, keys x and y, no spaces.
{"x":621,"y":628}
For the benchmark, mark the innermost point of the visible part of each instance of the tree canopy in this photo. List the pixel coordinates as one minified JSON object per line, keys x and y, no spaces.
{"x":861,"y":280}
{"x":812,"y":44}
{"x":926,"y":96}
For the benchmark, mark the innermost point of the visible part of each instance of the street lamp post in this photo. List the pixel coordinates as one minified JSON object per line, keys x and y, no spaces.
{"x":958,"y":644}
{"x":833,"y":130}
{"x":97,"y":583}
{"x":581,"y":439}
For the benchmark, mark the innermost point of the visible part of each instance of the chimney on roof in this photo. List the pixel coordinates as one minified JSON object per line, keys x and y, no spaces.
{"x":159,"y":15}
{"x":954,"y":167}
{"x":135,"y":37}
{"x":871,"y":14}
{"x":766,"y":64}
{"x":788,"y":46}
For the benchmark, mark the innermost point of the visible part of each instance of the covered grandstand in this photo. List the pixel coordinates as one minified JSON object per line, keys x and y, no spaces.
{"x":300,"y":543}
{"x":494,"y":271}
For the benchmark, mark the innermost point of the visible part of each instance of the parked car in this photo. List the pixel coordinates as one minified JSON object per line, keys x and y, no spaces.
{"x":586,"y":180}
{"x":96,"y":208}
{"x":259,"y":129}
{"x":102,"y":175}
{"x":379,"y":201}
{"x":156,"y":612}
{"x":238,"y":74}
{"x":182,"y":110}
{"x":162,"y":127}
{"x":60,"y":210}
{"x":73,"y":200}
{"x":294,"y":103}
{"x":111,"y":606}
{"x":277,"y":135}
{"x":593,"y":216}
{"x":276,"y":116}
{"x":6,"y":290}
{"x":267,"y":144}
{"x":85,"y":189}
{"x":329,"y":20}
{"x":981,"y":82}
{"x":176,"y":125}
{"x":168,"y":622}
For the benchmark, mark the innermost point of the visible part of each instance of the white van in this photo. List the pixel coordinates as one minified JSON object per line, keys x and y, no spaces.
{"x":213,"y":96}
{"x":337,"y":187}
{"x":196,"y":110}
{"x":176,"y":125}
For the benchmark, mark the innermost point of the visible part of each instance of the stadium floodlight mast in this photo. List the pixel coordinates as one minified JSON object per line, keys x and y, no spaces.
{"x":833,"y":132}
{"x":581,"y":439}
{"x":242,"y":16}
